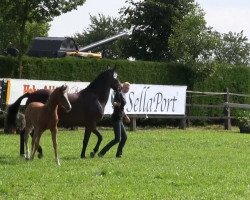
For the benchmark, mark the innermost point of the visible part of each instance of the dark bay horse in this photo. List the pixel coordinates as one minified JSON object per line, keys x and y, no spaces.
{"x":87,"y":107}
{"x":40,"y":117}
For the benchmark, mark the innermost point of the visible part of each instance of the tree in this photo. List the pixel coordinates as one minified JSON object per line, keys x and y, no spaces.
{"x":232,"y":48}
{"x":10,"y":33}
{"x":197,"y":45}
{"x":151,"y":22}
{"x":7,"y":34}
{"x":192,"y":41}
{"x":102,"y":27}
{"x":39,"y":11}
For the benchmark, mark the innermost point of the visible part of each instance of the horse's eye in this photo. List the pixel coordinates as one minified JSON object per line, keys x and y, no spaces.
{"x":115,"y":75}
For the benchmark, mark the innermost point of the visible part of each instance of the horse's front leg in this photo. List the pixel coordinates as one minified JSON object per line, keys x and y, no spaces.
{"x":54,"y":139}
{"x":99,"y":137}
{"x":85,"y":142}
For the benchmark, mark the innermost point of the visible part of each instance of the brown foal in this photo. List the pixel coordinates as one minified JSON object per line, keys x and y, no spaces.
{"x":44,"y":116}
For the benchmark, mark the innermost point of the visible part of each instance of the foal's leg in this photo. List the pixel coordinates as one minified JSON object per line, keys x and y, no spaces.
{"x":35,"y":142}
{"x":39,"y":150}
{"x":54,"y":139}
{"x":99,"y":137}
{"x":85,"y":142}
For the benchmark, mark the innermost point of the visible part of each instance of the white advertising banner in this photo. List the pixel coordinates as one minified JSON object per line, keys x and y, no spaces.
{"x":18,"y":87}
{"x":141,"y":98}
{"x":156,"y":100}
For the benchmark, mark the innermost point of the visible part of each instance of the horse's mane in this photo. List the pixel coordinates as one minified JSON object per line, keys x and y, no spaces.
{"x":99,"y":80}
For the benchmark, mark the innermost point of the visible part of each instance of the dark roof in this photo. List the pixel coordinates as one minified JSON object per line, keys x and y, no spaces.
{"x":51,"y":46}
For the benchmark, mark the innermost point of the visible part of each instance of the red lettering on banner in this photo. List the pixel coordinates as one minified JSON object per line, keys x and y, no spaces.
{"x":49,"y":87}
{"x":28,"y":88}
{"x":25,"y":88}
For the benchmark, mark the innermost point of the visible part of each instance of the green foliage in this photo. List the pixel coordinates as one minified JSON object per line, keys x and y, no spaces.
{"x":152,"y":23}
{"x":70,"y":69}
{"x":22,"y":12}
{"x":9,"y":67}
{"x":232,"y":48}
{"x":192,"y":41}
{"x":219,"y":76}
{"x":156,"y":164}
{"x":10,"y":34}
{"x":243,"y":118}
{"x":236,"y":79}
{"x":36,"y":10}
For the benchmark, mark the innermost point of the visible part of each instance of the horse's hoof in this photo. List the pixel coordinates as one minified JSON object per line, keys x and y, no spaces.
{"x":100,"y":155}
{"x":83,"y":156}
{"x":40,"y":155}
{"x":58,"y":163}
{"x":92,"y":154}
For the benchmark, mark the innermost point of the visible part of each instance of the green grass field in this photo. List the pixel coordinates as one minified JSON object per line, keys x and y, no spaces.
{"x":156,"y":164}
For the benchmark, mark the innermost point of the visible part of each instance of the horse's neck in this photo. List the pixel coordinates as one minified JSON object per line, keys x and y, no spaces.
{"x":102,"y":92}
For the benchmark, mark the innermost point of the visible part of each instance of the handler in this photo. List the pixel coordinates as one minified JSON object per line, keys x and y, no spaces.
{"x":118,"y":102}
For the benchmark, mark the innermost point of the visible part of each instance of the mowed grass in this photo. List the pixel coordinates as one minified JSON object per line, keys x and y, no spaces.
{"x":156,"y":164}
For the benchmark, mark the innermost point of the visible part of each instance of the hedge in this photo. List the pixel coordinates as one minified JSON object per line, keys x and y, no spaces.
{"x":70,"y":69}
{"x":237,"y":79}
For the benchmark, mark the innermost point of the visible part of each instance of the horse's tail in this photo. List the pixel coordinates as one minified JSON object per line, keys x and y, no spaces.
{"x":12,"y":110}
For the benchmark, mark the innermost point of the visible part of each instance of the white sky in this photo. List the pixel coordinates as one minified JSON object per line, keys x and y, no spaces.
{"x":222,"y":15}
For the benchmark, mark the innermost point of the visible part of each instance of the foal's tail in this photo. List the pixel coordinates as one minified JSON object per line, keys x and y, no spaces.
{"x":12,"y":110}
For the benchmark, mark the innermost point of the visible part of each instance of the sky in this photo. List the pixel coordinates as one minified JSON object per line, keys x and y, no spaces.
{"x":222,"y":15}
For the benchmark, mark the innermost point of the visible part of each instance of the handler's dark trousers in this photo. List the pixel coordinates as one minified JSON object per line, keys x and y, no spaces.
{"x":120,"y":137}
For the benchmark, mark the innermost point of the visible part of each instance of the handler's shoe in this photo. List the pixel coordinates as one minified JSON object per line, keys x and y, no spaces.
{"x":118,"y":155}
{"x":92,"y":154}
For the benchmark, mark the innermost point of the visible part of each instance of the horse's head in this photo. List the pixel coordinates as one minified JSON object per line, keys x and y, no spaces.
{"x":102,"y":84}
{"x":63,"y":97}
{"x":115,"y":83}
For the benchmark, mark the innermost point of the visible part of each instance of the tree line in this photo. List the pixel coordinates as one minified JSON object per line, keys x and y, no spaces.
{"x":161,"y":30}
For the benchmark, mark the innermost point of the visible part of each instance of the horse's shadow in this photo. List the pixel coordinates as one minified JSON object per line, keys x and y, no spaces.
{"x":8,"y":160}
{"x":70,"y":158}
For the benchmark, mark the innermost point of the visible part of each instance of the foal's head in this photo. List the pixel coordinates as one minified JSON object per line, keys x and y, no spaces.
{"x":60,"y":97}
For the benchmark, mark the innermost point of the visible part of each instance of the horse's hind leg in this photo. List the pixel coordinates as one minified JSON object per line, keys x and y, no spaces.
{"x":54,"y":139}
{"x":26,"y":138}
{"x":35,"y":142}
{"x":39,"y":150}
{"x":22,"y":132}
{"x":99,"y":137}
{"x":85,"y":142}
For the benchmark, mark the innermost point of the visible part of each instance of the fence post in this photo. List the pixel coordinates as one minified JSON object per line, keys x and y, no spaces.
{"x":188,"y":109}
{"x":1,"y":99}
{"x":183,"y":122}
{"x":133,"y":124}
{"x":227,"y":120}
